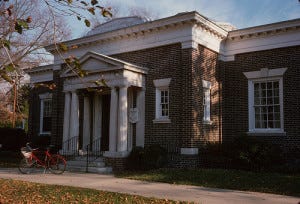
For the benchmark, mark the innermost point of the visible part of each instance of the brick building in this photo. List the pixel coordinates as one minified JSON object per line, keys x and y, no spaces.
{"x":179,"y":82}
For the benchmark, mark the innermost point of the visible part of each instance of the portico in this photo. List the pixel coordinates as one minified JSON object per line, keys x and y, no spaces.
{"x":110,"y":84}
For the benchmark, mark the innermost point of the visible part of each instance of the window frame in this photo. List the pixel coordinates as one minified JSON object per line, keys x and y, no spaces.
{"x":161,"y":85}
{"x":43,"y":98}
{"x":206,"y":94}
{"x":264,"y":76}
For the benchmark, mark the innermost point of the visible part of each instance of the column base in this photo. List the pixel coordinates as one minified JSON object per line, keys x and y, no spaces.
{"x":116,"y":154}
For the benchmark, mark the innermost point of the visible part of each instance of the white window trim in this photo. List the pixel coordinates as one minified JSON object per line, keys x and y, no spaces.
{"x":43,"y":97}
{"x":207,"y":86}
{"x":160,"y":85}
{"x":262,"y":76}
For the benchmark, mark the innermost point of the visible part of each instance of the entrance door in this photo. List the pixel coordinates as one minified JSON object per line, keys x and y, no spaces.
{"x":105,"y":122}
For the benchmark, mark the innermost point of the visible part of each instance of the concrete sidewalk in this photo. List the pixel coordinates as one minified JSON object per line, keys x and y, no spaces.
{"x":157,"y":190}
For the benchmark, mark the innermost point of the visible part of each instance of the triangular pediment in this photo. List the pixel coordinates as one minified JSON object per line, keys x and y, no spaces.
{"x":93,"y":62}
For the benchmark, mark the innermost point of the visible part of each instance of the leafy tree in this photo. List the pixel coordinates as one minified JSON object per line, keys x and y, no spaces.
{"x":27,"y":26}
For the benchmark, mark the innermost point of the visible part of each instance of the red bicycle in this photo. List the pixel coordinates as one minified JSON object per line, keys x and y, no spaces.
{"x":54,"y":162}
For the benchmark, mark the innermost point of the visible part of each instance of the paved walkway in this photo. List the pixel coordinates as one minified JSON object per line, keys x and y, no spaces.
{"x":157,"y":190}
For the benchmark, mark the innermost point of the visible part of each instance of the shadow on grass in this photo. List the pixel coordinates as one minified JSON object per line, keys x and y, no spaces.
{"x":285,"y":184}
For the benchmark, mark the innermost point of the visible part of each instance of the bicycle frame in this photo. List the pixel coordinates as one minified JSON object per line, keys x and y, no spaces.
{"x":39,"y":162}
{"x":54,"y":162}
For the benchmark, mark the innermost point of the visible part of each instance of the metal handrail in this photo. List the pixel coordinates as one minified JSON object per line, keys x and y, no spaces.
{"x":93,"y":150}
{"x":70,"y":147}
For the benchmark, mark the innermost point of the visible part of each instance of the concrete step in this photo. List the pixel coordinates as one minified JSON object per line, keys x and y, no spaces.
{"x":91,"y":158}
{"x":83,"y":163}
{"x":100,"y":170}
{"x":97,"y":165}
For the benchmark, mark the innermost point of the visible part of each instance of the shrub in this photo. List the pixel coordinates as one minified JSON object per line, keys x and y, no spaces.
{"x":134,"y":160}
{"x":246,"y":153}
{"x":254,"y":154}
{"x":12,"y":138}
{"x":154,"y":157}
{"x":147,"y":158}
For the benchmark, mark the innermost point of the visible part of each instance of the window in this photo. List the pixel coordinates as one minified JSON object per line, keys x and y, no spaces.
{"x":45,"y":113}
{"x":162,"y":104}
{"x":206,"y":101}
{"x":265,"y":100}
{"x":266,"y":105}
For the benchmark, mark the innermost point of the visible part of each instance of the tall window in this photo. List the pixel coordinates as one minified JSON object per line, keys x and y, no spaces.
{"x":162,"y":100}
{"x":266,"y":104}
{"x":265,"y":101}
{"x":206,"y":101}
{"x":164,"y":103}
{"x":206,"y":104}
{"x":45,"y":113}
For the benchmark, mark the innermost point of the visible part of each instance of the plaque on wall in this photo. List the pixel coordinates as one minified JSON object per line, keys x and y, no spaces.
{"x":133,"y":115}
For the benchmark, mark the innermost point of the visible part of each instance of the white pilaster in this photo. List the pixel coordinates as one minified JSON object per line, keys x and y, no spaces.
{"x":74,"y":125}
{"x":86,"y":122}
{"x":66,"y":130}
{"x":140,"y":125}
{"x":122,"y":120}
{"x":113,"y":123}
{"x":97,"y":120}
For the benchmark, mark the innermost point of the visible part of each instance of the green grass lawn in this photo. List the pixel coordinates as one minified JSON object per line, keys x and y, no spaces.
{"x":227,"y":179}
{"x":26,"y":192}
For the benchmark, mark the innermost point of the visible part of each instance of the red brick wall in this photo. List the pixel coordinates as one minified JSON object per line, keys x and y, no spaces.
{"x":34,"y":117}
{"x":235,"y":92}
{"x":187,"y":68}
{"x":199,"y":65}
{"x":162,"y":62}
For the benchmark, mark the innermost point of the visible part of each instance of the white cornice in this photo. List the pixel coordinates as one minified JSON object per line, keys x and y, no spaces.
{"x":266,"y":37}
{"x":40,"y":74}
{"x":263,"y":30}
{"x":45,"y":68}
{"x":191,"y":18}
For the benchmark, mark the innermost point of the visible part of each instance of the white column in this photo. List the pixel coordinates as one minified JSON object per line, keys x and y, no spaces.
{"x":129,"y":124}
{"x":86,"y":122}
{"x":113,"y":123}
{"x":97,"y":123}
{"x":66,"y":130}
{"x":74,"y":125}
{"x":122,"y":120}
{"x":140,"y":125}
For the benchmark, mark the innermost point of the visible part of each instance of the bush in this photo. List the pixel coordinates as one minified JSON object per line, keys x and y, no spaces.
{"x":12,"y":138}
{"x":245,"y":153}
{"x":147,"y":158}
{"x":134,"y":160}
{"x":254,"y":154}
{"x":154,"y":157}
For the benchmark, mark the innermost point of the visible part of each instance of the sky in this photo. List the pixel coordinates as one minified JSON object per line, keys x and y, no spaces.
{"x":240,"y":13}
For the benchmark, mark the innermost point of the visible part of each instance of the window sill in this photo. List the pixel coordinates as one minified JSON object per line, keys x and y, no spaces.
{"x":162,"y":120}
{"x":207,"y":122}
{"x":44,"y":133}
{"x":266,"y":133}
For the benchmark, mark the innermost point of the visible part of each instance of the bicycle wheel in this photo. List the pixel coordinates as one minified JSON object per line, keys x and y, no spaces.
{"x":26,"y":166}
{"x":57,"y":164}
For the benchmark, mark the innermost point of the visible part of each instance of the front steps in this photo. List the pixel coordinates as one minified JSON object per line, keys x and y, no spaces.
{"x":97,"y":165}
